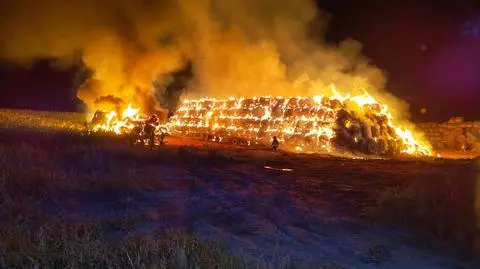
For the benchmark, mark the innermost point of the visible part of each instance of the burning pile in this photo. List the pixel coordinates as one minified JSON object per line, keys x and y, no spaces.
{"x":312,"y":124}
{"x":304,"y":124}
{"x":130,"y":123}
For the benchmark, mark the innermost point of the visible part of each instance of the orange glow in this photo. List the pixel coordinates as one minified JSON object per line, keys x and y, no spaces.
{"x":305,"y":123}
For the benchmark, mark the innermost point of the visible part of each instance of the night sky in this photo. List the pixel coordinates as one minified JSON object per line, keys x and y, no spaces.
{"x":430,"y":51}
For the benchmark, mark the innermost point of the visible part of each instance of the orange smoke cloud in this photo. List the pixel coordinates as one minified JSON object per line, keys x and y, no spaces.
{"x":118,"y":40}
{"x":237,"y":47}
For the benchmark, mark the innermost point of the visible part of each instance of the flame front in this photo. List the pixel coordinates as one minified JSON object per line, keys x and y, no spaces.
{"x":316,"y":123}
{"x":304,"y":123}
{"x":111,"y":121}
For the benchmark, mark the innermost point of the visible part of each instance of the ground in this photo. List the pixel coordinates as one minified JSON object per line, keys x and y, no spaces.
{"x":278,"y":210}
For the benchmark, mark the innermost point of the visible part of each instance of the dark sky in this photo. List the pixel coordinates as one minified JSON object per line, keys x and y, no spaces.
{"x":430,"y":51}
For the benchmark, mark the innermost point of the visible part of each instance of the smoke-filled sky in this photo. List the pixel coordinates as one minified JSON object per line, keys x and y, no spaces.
{"x":425,"y":55}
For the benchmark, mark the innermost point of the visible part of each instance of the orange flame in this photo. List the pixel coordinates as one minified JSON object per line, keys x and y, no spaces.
{"x":118,"y":125}
{"x":257,"y":119}
{"x":311,"y":118}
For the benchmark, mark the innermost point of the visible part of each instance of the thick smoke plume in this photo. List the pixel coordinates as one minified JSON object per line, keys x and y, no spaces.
{"x":236,"y":47}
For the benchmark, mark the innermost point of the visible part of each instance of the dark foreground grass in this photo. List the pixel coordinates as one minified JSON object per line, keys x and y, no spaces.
{"x":442,"y":210}
{"x":83,"y":245}
{"x":44,"y":171}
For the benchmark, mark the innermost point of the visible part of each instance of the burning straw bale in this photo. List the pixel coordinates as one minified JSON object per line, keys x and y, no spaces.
{"x":132,"y":125}
{"x":304,"y":124}
{"x":310,"y":124}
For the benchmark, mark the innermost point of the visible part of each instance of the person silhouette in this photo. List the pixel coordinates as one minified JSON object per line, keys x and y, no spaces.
{"x":275,"y":143}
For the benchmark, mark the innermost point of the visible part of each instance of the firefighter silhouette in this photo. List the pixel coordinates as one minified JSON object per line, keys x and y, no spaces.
{"x":275,"y":143}
{"x":149,"y":129}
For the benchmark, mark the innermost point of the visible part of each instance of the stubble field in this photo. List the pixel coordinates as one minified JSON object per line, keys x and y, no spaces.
{"x":71,"y":201}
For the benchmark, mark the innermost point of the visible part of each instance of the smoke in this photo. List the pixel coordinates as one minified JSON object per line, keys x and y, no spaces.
{"x":236,"y":47}
{"x":122,"y":42}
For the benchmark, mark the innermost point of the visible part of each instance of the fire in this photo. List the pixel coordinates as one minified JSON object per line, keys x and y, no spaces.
{"x":111,"y":122}
{"x":315,"y":123}
{"x":303,"y":124}
{"x":130,"y":112}
{"x":131,"y":123}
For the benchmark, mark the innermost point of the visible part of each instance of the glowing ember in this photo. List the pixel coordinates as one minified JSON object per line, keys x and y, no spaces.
{"x":315,"y":124}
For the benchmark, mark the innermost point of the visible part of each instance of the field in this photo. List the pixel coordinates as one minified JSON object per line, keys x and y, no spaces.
{"x":71,"y":201}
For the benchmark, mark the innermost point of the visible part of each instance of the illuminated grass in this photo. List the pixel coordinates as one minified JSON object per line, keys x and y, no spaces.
{"x":41,"y":121}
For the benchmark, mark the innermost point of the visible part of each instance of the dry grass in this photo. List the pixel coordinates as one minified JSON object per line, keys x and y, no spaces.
{"x":438,"y":209}
{"x":54,"y":161}
{"x":32,"y":174}
{"x":83,"y":245}
{"x":36,"y":169}
{"x":40,"y":121}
